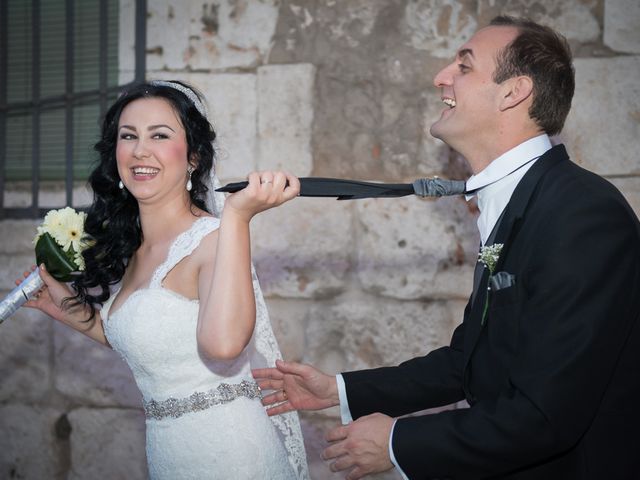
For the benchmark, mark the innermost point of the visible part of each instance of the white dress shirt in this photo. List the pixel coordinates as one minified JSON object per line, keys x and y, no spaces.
{"x":494,"y":186}
{"x":496,"y":183}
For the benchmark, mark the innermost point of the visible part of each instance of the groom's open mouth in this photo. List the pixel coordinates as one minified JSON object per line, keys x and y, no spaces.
{"x":450,"y":102}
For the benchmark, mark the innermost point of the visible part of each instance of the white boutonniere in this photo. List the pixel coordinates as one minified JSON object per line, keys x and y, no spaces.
{"x":488,"y":256}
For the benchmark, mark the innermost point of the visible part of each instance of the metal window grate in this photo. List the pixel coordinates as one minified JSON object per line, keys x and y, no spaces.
{"x":68,"y":102}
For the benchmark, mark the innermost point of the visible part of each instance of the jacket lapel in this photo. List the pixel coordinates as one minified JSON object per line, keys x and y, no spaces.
{"x":507,"y":230}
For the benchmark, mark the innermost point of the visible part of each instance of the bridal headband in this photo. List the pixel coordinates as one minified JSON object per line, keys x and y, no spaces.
{"x":190,"y":94}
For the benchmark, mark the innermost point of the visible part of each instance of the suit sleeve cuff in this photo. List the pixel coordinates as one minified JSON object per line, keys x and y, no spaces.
{"x":345,"y":414}
{"x":392,"y":456}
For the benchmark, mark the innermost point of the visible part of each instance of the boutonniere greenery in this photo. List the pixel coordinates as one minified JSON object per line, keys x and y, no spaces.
{"x":488,"y":256}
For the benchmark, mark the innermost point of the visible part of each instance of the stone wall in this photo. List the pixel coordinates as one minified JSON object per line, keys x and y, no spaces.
{"x":325,"y":88}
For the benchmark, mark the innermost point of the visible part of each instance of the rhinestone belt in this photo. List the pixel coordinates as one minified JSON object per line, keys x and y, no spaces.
{"x":197,"y":401}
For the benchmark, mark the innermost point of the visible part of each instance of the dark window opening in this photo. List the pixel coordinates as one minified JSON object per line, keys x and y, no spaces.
{"x":60,"y":66}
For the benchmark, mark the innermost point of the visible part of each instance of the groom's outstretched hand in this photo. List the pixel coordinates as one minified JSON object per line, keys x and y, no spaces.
{"x":362,"y":447}
{"x":296,"y":387}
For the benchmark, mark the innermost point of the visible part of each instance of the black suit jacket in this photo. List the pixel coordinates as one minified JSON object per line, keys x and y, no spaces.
{"x":553,"y":376}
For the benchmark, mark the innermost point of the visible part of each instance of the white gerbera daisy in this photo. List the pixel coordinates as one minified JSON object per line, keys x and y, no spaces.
{"x":53,"y":224}
{"x":69,"y":228}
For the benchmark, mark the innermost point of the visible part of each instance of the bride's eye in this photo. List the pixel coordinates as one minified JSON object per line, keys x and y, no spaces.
{"x":127,"y":136}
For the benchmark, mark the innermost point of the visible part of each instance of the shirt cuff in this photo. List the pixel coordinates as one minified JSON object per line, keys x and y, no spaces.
{"x":345,"y":414}
{"x":346,"y":418}
{"x":392,"y":456}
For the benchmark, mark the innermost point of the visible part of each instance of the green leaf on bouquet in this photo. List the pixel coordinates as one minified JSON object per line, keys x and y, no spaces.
{"x":57,"y":261}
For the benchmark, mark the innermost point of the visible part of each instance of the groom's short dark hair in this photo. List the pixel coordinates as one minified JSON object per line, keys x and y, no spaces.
{"x":543,"y":55}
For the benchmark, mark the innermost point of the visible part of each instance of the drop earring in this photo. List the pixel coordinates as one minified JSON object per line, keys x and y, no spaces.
{"x":121,"y":185}
{"x":189,"y":184}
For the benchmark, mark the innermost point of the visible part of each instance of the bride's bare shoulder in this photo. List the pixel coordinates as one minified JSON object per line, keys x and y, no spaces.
{"x":205,"y":253}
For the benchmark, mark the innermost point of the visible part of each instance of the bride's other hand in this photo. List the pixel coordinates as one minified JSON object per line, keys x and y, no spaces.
{"x":297,"y":387}
{"x":265,"y":190}
{"x":49,"y":299}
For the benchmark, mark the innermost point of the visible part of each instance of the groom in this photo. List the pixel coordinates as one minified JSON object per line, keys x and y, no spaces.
{"x":551,"y":369}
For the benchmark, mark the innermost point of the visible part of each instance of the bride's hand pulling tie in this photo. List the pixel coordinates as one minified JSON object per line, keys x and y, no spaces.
{"x":265,"y":190}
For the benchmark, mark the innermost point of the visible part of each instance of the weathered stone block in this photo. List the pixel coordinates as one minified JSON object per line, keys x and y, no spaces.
{"x":17,"y":236}
{"x":13,"y":268}
{"x":438,"y":27}
{"x":107,"y":443}
{"x":412,"y":248}
{"x":349,"y":22}
{"x":605,"y":118}
{"x":630,"y":188}
{"x":575,"y":19}
{"x":371,"y":88}
{"x":206,"y":36}
{"x":622,"y":25}
{"x":232,"y":109}
{"x":372,"y":332}
{"x":16,"y":250}
{"x":25,"y":351}
{"x":28,"y":444}
{"x":90,"y":373}
{"x":302,"y":249}
{"x":288,"y":319}
{"x":285,"y":115}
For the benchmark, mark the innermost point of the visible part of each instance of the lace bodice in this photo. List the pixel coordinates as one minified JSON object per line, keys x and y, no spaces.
{"x":154,"y":330}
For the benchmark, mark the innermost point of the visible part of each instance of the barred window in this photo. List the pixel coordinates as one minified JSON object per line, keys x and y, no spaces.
{"x":61,"y":65}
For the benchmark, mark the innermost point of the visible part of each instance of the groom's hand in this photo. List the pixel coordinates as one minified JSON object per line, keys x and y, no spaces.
{"x":362,"y":446}
{"x":296,"y":387}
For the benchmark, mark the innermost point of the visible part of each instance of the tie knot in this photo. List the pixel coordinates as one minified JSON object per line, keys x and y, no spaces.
{"x":438,"y":187}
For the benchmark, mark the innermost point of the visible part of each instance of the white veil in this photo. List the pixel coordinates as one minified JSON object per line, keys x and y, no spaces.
{"x":264,"y":351}
{"x":263,"y":348}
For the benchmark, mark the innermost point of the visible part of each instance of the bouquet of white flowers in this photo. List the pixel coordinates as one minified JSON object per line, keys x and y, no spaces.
{"x":58,"y":244}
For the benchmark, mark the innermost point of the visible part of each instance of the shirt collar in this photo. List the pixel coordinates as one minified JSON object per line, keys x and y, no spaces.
{"x":509,"y":161}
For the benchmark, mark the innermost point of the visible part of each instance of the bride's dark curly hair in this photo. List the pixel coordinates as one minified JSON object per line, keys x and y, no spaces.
{"x":113,"y":221}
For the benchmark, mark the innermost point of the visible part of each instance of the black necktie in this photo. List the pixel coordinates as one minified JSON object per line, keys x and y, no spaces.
{"x":353,"y":189}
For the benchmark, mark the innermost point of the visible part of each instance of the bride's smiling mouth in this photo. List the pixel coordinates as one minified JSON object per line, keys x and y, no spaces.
{"x":144,"y":172}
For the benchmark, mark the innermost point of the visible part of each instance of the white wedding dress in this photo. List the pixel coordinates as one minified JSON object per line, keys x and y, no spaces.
{"x":204,"y":419}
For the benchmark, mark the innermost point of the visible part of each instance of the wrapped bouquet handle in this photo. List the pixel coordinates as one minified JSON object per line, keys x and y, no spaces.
{"x":20,"y":295}
{"x":59,"y":245}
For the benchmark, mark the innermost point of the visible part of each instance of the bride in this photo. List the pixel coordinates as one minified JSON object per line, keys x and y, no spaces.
{"x":189,"y":317}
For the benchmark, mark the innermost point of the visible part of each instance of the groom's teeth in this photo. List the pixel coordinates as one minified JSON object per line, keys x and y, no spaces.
{"x":450,"y":102}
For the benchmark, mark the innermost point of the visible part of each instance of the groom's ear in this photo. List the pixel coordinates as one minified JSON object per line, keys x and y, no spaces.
{"x":515,"y":91}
